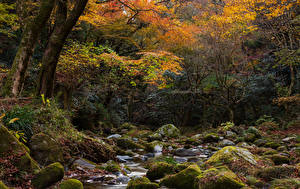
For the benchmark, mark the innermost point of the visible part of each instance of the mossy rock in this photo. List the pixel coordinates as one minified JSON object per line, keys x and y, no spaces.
{"x":273,"y":145}
{"x":9,"y":144}
{"x":71,"y":184}
{"x":182,"y":166}
{"x":250,"y":137}
{"x":3,"y":186}
{"x":276,"y":172}
{"x":230,"y":154}
{"x":141,"y":183}
{"x":260,"y":142}
{"x":45,"y":150}
{"x":151,"y":147}
{"x":184,"y":179}
{"x":127,"y":143}
{"x":159,"y":169}
{"x":285,"y":183}
{"x":278,"y":159}
{"x":48,"y":176}
{"x":219,"y":178}
{"x":211,"y":137}
{"x":169,"y":131}
{"x":113,"y":167}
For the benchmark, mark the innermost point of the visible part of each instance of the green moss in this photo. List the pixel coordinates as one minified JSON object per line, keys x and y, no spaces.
{"x":48,"y":176}
{"x":71,"y":184}
{"x":276,"y":172}
{"x":2,"y":185}
{"x":278,"y":159}
{"x":45,"y":149}
{"x":218,"y":178}
{"x":168,"y":130}
{"x":112,"y":167}
{"x":250,"y":137}
{"x":211,"y":137}
{"x":229,"y":154}
{"x":141,"y":183}
{"x":159,"y":170}
{"x":10,"y":144}
{"x":285,"y":183}
{"x":126,"y":143}
{"x":183,"y":179}
{"x":273,"y":145}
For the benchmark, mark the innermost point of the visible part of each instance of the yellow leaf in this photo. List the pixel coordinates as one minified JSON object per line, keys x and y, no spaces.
{"x":13,"y":120}
{"x":2,"y":116}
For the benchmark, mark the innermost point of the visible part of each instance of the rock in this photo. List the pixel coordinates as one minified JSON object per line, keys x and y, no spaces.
{"x":84,"y":163}
{"x":255,"y":131}
{"x":141,"y":183}
{"x":155,"y":136}
{"x":226,"y":142}
{"x":184,"y":179}
{"x":127,"y":143}
{"x":236,"y":158}
{"x":159,"y":170}
{"x":154,"y":146}
{"x":285,"y":183}
{"x":218,"y":178}
{"x":112,"y":167}
{"x":180,"y":159}
{"x":123,"y":179}
{"x":9,"y":144}
{"x":169,"y":131}
{"x":230,"y":134}
{"x":250,"y":137}
{"x":231,"y":153}
{"x":276,"y":172}
{"x":3,"y":186}
{"x":278,"y":159}
{"x":289,"y":139}
{"x":114,"y":136}
{"x":260,"y":142}
{"x":273,"y":145}
{"x":71,"y":184}
{"x":48,"y":176}
{"x":211,"y":137}
{"x":124,"y":158}
{"x":182,"y":152}
{"x":45,"y":150}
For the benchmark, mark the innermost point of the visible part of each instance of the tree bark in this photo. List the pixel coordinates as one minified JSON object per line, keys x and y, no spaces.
{"x":31,"y":32}
{"x":64,"y":23}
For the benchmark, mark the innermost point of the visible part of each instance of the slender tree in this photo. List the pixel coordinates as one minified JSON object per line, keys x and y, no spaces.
{"x":31,"y":32}
{"x":64,"y":22}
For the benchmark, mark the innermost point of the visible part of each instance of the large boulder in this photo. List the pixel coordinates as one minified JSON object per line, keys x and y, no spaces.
{"x":219,"y":178}
{"x":9,"y":144}
{"x":184,"y":179}
{"x":45,"y":150}
{"x":48,"y":176}
{"x":141,"y":183}
{"x":236,"y":158}
{"x":168,"y":130}
{"x":71,"y":184}
{"x":159,"y":169}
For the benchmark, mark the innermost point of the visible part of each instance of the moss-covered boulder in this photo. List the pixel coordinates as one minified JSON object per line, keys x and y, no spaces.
{"x":71,"y":184}
{"x":127,"y":143}
{"x":184,"y":179}
{"x":219,"y":178}
{"x":3,"y":186}
{"x":211,"y":137}
{"x":276,"y":172}
{"x":112,"y":167}
{"x":9,"y":144}
{"x":278,"y":159}
{"x":159,"y":169}
{"x":229,"y":154}
{"x":141,"y":183}
{"x":169,"y":131}
{"x":45,"y":150}
{"x":285,"y":183}
{"x":48,"y":176}
{"x":273,"y":145}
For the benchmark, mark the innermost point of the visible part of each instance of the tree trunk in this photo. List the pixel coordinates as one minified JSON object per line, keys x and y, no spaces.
{"x":67,"y":98}
{"x":290,"y":91}
{"x":64,"y":23}
{"x":32,"y":30}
